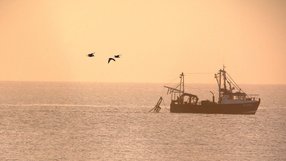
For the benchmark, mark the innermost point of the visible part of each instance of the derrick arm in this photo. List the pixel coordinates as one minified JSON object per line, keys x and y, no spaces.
{"x":157,"y":107}
{"x":171,"y":89}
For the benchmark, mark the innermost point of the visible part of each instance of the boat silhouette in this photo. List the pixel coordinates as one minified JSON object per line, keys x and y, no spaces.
{"x":231,"y":98}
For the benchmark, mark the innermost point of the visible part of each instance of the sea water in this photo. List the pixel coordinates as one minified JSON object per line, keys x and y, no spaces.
{"x":110,"y":121}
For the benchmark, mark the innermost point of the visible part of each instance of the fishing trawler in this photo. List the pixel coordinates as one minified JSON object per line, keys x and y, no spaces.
{"x":231,"y":98}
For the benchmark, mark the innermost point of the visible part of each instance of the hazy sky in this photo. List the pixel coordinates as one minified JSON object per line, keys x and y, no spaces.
{"x":47,"y":40}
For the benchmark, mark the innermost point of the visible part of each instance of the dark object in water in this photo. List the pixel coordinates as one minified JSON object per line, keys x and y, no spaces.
{"x":231,"y":99}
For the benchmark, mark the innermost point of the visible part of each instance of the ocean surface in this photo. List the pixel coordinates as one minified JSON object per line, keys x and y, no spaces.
{"x":110,"y":122}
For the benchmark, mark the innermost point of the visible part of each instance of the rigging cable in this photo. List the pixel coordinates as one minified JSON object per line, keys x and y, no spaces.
{"x":234,"y":83}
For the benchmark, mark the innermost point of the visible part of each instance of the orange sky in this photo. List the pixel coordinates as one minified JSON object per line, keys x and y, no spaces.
{"x":47,"y":40}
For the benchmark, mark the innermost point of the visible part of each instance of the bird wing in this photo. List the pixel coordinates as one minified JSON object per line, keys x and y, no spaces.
{"x":110,"y":59}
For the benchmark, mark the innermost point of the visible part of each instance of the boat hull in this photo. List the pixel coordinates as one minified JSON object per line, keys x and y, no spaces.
{"x":214,"y":108}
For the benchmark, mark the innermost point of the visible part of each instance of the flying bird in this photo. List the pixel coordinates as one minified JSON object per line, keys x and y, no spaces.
{"x":110,"y":60}
{"x":117,"y":56}
{"x":90,"y":55}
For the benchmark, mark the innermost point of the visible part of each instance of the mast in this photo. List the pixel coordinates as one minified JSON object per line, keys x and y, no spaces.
{"x":182,"y":82}
{"x":178,"y":93}
{"x":179,"y":90}
{"x":226,"y":84}
{"x":224,"y":78}
{"x":221,"y":79}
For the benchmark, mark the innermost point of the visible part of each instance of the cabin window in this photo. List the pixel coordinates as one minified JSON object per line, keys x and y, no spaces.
{"x":186,"y":100}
